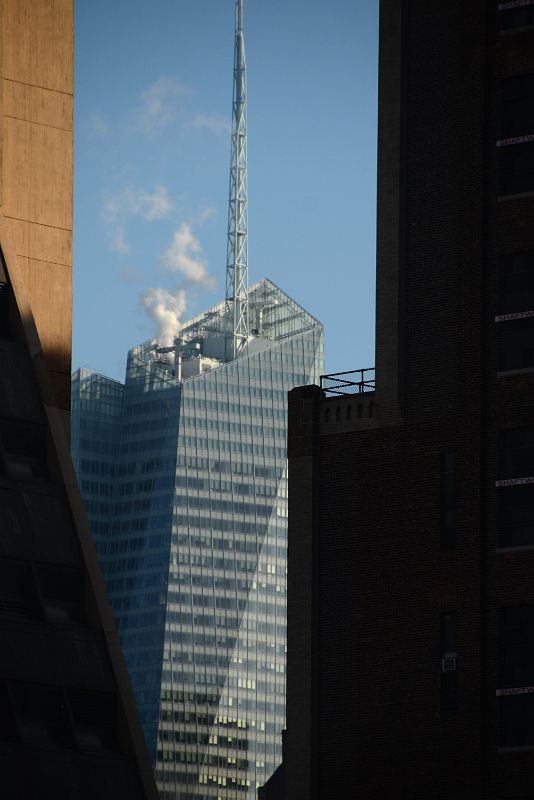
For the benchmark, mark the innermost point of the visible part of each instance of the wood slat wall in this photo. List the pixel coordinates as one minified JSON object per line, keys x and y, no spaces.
{"x":36,"y":108}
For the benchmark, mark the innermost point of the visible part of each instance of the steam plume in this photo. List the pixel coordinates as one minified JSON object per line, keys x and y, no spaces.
{"x":185,"y":255}
{"x":166,"y":309}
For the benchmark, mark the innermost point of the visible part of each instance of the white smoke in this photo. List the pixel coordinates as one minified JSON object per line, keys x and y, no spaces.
{"x":166,"y":309}
{"x":185,"y":255}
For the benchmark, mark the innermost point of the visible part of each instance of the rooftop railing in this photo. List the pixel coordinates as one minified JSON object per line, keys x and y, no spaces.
{"x":357,"y":381}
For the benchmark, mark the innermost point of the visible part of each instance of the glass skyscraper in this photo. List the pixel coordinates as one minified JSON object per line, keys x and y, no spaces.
{"x":183,"y":473}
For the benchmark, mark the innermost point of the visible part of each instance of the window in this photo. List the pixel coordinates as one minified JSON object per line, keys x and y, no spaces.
{"x":8,"y":728}
{"x":516,"y":283}
{"x":18,"y":599}
{"x":516,"y":453}
{"x":40,"y":713}
{"x":61,"y":590}
{"x":448,"y":499}
{"x":93,"y":717}
{"x":516,"y":515}
{"x":516,"y":14}
{"x":516,"y":710}
{"x":517,"y":120}
{"x":516,"y":720}
{"x":516,"y":312}
{"x":517,"y":647}
{"x":4,"y":311}
{"x":448,"y":682}
{"x":22,"y":451}
{"x":41,"y":591}
{"x":516,"y":344}
{"x":517,"y":107}
{"x":517,"y":168}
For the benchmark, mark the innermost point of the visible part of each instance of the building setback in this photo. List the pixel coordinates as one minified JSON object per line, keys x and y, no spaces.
{"x":68,"y":723}
{"x":411,"y":506}
{"x":183,"y":474}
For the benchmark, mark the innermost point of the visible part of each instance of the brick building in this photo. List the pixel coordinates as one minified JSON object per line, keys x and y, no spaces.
{"x":411,"y":504}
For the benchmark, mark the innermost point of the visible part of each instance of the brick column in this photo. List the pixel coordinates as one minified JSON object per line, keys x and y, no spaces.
{"x":303,"y":454}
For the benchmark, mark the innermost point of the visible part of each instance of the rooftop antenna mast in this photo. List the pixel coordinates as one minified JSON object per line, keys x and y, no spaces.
{"x":236,"y":308}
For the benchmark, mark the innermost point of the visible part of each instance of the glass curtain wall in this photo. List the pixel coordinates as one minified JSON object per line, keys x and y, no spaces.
{"x":196,"y":559}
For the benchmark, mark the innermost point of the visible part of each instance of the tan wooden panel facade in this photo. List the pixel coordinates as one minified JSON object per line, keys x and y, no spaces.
{"x":36,"y":106}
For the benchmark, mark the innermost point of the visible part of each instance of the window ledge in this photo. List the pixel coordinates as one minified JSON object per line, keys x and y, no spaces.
{"x":31,"y":486}
{"x":511,"y":31}
{"x":512,"y":316}
{"x":504,"y":373}
{"x":518,"y":548}
{"x":503,"y":198}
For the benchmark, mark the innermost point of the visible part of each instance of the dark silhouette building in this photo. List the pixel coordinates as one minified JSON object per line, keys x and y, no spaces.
{"x":411,"y":504}
{"x":68,"y":723}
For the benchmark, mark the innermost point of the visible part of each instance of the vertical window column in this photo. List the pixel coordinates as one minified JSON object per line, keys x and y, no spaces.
{"x":515,"y":488}
{"x":516,"y":692}
{"x":448,"y":682}
{"x":516,"y":15}
{"x":515,"y":316}
{"x":516,"y":143}
{"x":4,"y":308}
{"x":448,"y":499}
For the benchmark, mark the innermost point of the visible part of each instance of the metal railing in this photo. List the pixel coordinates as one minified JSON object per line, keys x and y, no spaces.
{"x":358,"y":381}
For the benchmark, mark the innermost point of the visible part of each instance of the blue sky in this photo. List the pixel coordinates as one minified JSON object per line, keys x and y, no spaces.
{"x":152,"y":147}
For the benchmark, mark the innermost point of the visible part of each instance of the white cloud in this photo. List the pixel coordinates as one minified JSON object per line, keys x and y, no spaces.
{"x":156,"y":205}
{"x":158,"y":105}
{"x":98,"y":125}
{"x":131,"y":202}
{"x":118,"y":241}
{"x":134,"y":202}
{"x":166,"y":309}
{"x":131,"y":275}
{"x":184,"y":255}
{"x":214,"y":123}
{"x":203,"y":215}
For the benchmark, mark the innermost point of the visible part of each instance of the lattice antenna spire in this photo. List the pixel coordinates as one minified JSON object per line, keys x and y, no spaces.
{"x":237,"y":252}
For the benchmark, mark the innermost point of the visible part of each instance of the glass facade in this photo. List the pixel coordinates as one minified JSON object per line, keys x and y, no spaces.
{"x":183,"y":472}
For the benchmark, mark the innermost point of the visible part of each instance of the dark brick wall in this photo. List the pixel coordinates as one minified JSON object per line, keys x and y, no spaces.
{"x":364,"y":536}
{"x":301,"y":717}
